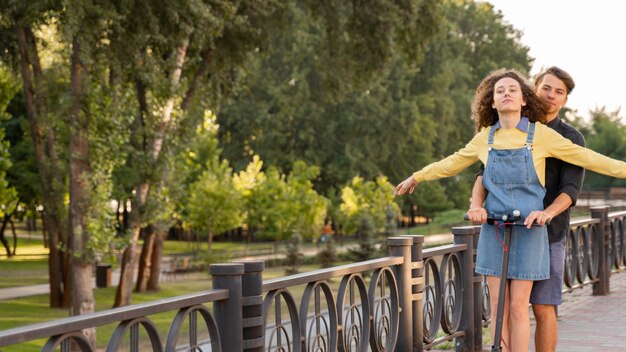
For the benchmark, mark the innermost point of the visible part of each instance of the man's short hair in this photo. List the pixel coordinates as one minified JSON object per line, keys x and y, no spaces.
{"x":560,"y":74}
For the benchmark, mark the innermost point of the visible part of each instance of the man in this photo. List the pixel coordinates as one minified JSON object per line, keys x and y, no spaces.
{"x":563,"y":183}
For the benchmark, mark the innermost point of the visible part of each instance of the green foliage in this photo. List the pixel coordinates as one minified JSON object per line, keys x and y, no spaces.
{"x":606,"y":134}
{"x":22,"y":174}
{"x":199,"y":151}
{"x":360,"y":39}
{"x":432,"y":198}
{"x":277,"y":205}
{"x":291,"y":109}
{"x":109,"y":115}
{"x":214,"y":203}
{"x":348,"y":88}
{"x":367,"y":238}
{"x":250,"y":178}
{"x":298,"y":101}
{"x":8,"y":194}
{"x":365,"y":202}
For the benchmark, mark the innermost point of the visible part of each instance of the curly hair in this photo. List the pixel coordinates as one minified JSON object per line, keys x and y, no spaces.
{"x":484,"y":115}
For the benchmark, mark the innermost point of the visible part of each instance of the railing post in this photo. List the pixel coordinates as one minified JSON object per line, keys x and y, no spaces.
{"x":417,"y":284}
{"x":228,"y":313}
{"x":471,"y":315}
{"x":401,"y":247}
{"x":602,"y":286}
{"x":252,"y":302}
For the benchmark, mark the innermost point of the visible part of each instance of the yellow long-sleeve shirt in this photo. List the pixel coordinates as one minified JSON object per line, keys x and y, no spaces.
{"x":546,"y":143}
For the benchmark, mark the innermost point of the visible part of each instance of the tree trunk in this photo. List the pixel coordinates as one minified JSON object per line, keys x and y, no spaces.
{"x":155,"y":269}
{"x":129,"y":258}
{"x":118,"y":222}
{"x":124,"y":218}
{"x":210,"y":242}
{"x":145,"y":259}
{"x":14,"y":236}
{"x":153,"y":153}
{"x":3,"y":239}
{"x":44,"y":231}
{"x":82,"y":292}
{"x":46,"y":160}
{"x":123,"y":292}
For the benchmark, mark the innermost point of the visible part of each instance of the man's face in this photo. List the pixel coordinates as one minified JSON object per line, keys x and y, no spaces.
{"x":553,"y":92}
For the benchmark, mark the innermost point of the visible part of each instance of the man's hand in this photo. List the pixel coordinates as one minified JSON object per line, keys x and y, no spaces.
{"x":539,"y":217}
{"x":477,"y":215}
{"x":406,"y":185}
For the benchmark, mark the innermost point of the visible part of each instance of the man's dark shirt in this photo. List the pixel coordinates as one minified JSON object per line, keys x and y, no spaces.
{"x":561,"y":177}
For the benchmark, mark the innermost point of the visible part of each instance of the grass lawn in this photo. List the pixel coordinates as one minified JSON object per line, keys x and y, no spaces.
{"x":28,"y":267}
{"x":30,"y":264}
{"x":34,"y":309}
{"x":442,"y":223}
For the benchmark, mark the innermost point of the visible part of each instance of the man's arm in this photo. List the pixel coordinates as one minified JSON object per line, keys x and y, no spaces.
{"x":562,"y":202}
{"x":570,"y":183}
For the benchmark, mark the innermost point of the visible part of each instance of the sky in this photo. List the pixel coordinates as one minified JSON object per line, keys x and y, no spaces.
{"x":585,"y":38}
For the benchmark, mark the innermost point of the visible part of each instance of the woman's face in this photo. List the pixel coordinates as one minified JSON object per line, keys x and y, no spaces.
{"x":507,"y":95}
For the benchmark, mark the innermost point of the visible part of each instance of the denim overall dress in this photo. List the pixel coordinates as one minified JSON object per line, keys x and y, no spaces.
{"x":512,"y":182}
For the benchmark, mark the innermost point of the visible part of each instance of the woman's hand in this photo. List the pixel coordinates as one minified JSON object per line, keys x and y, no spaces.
{"x":539,"y":217}
{"x":477,"y":215}
{"x":406,"y":185}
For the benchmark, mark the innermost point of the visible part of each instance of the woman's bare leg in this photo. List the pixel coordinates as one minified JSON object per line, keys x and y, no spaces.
{"x":519,"y":297}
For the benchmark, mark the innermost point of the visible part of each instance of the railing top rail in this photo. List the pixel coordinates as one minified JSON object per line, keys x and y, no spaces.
{"x":445,"y":249}
{"x":583,"y":222}
{"x":324,"y":274}
{"x":617,"y":214}
{"x":75,"y":323}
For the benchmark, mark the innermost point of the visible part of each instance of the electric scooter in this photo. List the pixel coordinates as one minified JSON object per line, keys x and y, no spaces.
{"x":508,"y":220}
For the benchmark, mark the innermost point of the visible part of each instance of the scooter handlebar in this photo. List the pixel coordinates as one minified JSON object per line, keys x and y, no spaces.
{"x":515,"y":218}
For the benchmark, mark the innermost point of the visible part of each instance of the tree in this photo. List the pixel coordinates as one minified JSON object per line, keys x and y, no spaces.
{"x":368,"y":210}
{"x":9,"y":200}
{"x":70,"y":35}
{"x":21,"y":52}
{"x":408,"y":112}
{"x":278,"y":205}
{"x":368,"y":238}
{"x":368,"y":199}
{"x":606,"y":134}
{"x":215,"y":205}
{"x":321,"y":97}
{"x":180,"y":52}
{"x":474,"y":41}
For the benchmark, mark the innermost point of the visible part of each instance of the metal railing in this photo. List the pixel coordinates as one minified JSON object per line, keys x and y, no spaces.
{"x":412,"y":300}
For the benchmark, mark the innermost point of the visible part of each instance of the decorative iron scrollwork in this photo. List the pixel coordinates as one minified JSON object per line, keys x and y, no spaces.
{"x":280,"y":338}
{"x":65,"y":340}
{"x":432,"y":300}
{"x":132,"y":326}
{"x":452,"y":297}
{"x":192,"y":314}
{"x":353,"y":314}
{"x":383,"y":296}
{"x":320,"y":333}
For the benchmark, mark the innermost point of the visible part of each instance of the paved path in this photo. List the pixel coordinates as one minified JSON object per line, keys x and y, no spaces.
{"x":594,"y":323}
{"x":23,"y":291}
{"x":590,"y":323}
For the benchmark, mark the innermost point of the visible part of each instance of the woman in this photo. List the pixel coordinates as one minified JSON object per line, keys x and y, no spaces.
{"x":513,"y":148}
